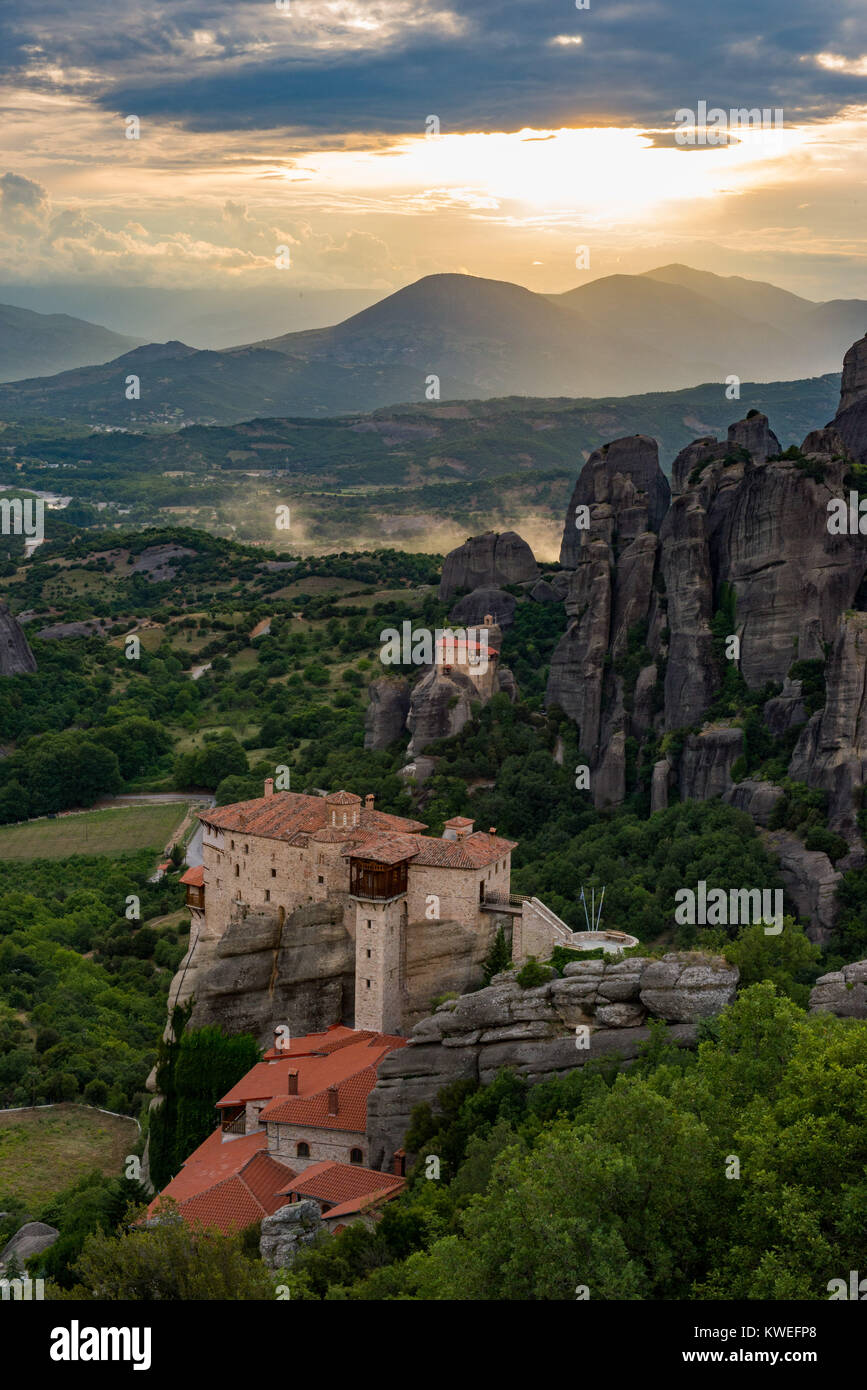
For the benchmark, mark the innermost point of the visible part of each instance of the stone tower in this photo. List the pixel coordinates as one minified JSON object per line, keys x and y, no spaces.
{"x":380,"y":944}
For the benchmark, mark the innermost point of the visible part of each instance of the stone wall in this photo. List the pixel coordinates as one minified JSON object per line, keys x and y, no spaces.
{"x":326,"y":1145}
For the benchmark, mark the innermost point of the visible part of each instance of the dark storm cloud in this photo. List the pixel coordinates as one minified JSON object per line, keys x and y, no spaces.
{"x":478,"y":64}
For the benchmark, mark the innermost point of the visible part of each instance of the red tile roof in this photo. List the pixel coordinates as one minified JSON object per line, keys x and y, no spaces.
{"x":385,"y":848}
{"x":287,"y":815}
{"x":195,"y":877}
{"x":342,"y":798}
{"x":343,"y":1057}
{"x":312,"y":1110}
{"x":472,"y":852}
{"x":228,"y":1183}
{"x":343,"y":1184}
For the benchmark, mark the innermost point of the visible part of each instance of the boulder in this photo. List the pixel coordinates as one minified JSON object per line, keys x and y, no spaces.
{"x":684,"y":987}
{"x":30,"y":1239}
{"x":544,"y":592}
{"x":287,"y":1231}
{"x":758,"y":799}
{"x":842,"y":992}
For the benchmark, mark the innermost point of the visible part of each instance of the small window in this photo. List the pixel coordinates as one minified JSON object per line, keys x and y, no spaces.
{"x":267,"y":895}
{"x":303,"y":1150}
{"x":232,"y":843}
{"x":369,"y":923}
{"x":367,"y":982}
{"x":368,"y":953}
{"x":237,"y":871}
{"x":356,"y":1156}
{"x":273,"y":873}
{"x":320,"y":879}
{"x":246,"y":849}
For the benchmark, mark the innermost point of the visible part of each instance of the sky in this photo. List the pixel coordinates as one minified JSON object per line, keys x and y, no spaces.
{"x":308,"y":125}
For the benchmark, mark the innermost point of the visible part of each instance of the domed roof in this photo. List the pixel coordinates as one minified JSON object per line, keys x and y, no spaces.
{"x":342,"y":798}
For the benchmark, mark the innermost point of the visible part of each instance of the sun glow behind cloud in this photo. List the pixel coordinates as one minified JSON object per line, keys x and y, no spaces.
{"x":596,"y":173}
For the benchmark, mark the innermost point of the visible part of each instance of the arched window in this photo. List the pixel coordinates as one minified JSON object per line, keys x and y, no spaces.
{"x":303,"y":1150}
{"x":356,"y":1156}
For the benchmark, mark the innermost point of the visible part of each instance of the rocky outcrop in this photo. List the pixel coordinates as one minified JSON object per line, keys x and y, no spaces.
{"x":578,"y":663}
{"x":488,"y":561}
{"x":262,"y":971}
{"x":755,"y":435}
{"x":610,"y":597}
{"x":809,"y":879}
{"x":385,"y":719}
{"x":440,"y":705}
{"x":842,"y":992}
{"x":786,"y":710}
{"x":686,"y":987}
{"x":691,"y":676}
{"x":694,"y":457}
{"x":289,"y":1230}
{"x":758,"y":799}
{"x":543,"y":591}
{"x":660,"y":784}
{"x":473,"y":608}
{"x":16,"y":658}
{"x":626,"y":491}
{"x":831,"y":752}
{"x":706,"y":762}
{"x":534,"y":1030}
{"x":853,"y":382}
{"x":30,"y":1239}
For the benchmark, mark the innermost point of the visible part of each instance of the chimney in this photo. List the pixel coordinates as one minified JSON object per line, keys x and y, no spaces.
{"x":292,"y":1083}
{"x":332,"y":1100}
{"x":492,"y":830}
{"x":368,"y":802}
{"x":269,"y":786}
{"x":398,"y":1163}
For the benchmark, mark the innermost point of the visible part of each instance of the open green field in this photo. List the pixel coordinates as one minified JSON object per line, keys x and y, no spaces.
{"x":109,"y":831}
{"x":44,"y":1150}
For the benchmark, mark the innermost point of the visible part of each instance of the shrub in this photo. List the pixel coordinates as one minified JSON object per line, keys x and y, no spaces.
{"x":532,"y":974}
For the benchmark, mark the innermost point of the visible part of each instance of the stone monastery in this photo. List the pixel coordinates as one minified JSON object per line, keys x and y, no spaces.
{"x":419,"y":911}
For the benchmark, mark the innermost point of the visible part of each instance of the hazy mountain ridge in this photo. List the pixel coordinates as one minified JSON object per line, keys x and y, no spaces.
{"x":34,"y":344}
{"x":615,"y":336}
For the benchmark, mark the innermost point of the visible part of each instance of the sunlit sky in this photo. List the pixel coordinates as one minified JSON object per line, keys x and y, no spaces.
{"x":306,"y":126}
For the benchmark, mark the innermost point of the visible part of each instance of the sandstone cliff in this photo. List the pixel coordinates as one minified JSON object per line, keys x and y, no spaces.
{"x":262,"y":972}
{"x":611,"y":597}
